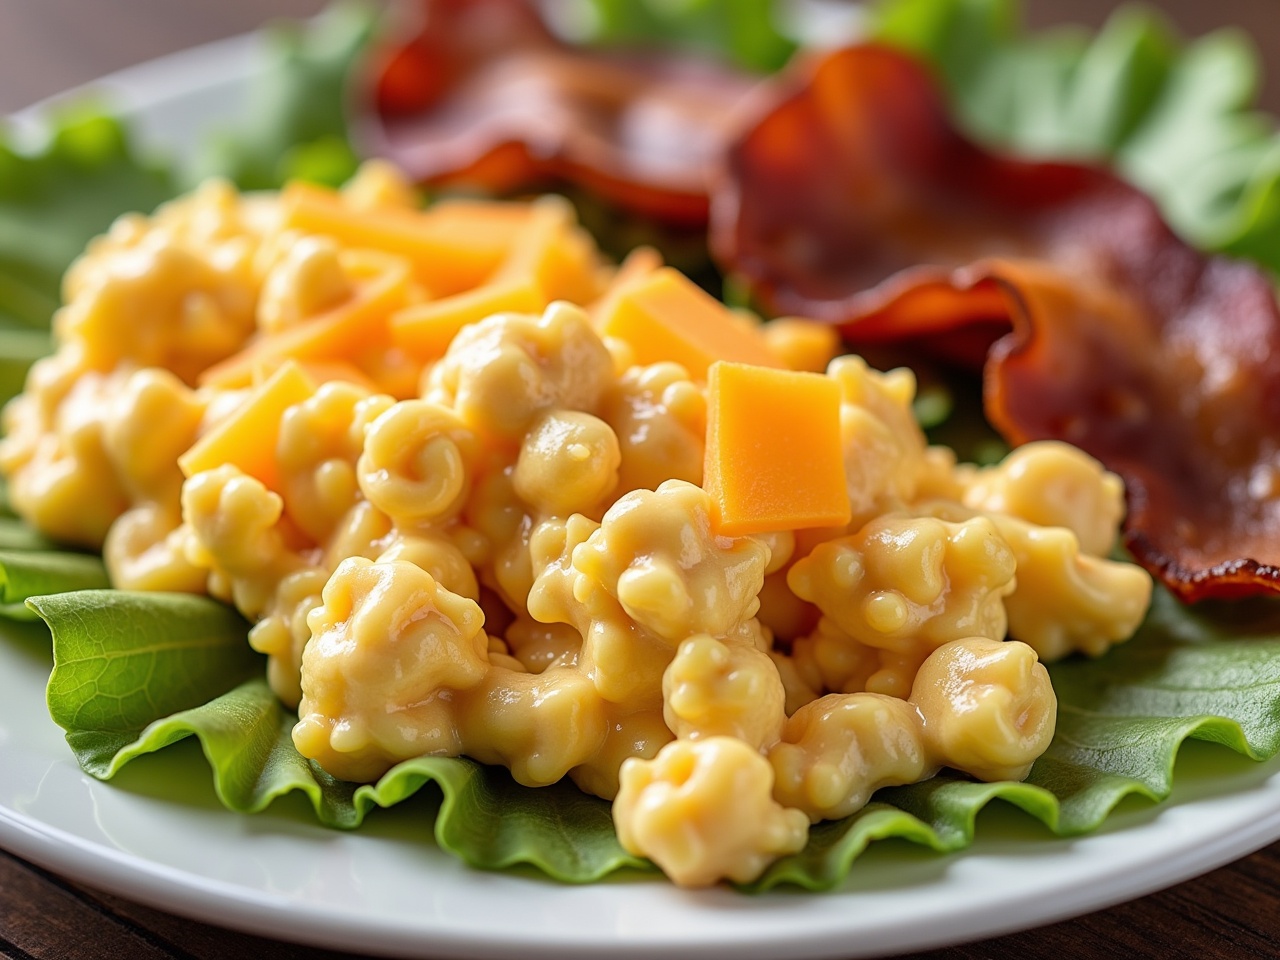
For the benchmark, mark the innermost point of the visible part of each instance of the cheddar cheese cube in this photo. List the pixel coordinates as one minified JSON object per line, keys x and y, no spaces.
{"x":773,"y":458}
{"x":666,"y":316}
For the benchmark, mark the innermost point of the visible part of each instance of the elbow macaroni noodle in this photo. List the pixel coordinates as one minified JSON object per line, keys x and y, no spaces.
{"x":514,"y":559}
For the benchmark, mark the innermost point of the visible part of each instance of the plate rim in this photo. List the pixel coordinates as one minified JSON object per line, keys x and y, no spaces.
{"x":140,"y":87}
{"x":238,"y":907}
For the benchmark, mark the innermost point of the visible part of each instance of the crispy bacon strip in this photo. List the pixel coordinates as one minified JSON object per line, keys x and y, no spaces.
{"x":484,"y":96}
{"x":855,"y":200}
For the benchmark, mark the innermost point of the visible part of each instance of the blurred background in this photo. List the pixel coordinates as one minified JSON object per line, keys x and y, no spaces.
{"x":49,"y":45}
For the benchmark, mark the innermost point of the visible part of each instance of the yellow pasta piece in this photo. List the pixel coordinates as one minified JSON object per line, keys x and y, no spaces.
{"x":802,"y":344}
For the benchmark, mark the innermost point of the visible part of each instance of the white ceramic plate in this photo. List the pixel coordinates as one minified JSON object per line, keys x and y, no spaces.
{"x":158,"y":835}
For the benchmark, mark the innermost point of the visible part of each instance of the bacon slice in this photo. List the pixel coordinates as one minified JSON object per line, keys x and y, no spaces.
{"x":484,"y":96}
{"x":856,"y":201}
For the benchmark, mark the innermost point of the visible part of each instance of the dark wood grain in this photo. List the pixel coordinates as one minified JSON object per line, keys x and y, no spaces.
{"x":48,"y":45}
{"x":44,"y":916}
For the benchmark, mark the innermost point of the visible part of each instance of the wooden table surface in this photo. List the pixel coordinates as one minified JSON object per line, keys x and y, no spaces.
{"x":48,"y":45}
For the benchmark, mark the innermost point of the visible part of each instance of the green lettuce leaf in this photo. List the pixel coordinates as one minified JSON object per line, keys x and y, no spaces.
{"x":295,"y":125}
{"x":122,"y":659}
{"x":485,"y":818}
{"x":134,"y":673}
{"x":26,"y":573}
{"x":53,"y":201}
{"x":19,"y":348}
{"x":16,"y":535}
{"x":1177,"y":120}
{"x":747,"y":33}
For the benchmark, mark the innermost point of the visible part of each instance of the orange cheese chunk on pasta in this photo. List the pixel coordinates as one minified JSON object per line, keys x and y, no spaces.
{"x":453,"y":246}
{"x":666,"y":316}
{"x":555,"y":254}
{"x":345,"y":331}
{"x":639,"y":264}
{"x":426,"y":329}
{"x":774,"y":459}
{"x":549,"y":260}
{"x":320,"y":371}
{"x":247,"y":438}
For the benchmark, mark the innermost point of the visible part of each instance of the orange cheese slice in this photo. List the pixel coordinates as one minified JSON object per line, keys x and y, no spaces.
{"x":666,"y":316}
{"x":247,"y":438}
{"x":426,"y":329}
{"x":774,"y":459}
{"x":343,"y":332}
{"x":453,"y":246}
{"x":639,"y":264}
{"x":553,"y":252}
{"x":320,"y":372}
{"x":551,"y":259}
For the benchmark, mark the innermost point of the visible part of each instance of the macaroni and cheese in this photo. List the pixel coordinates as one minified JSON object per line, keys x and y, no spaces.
{"x":482,"y":494}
